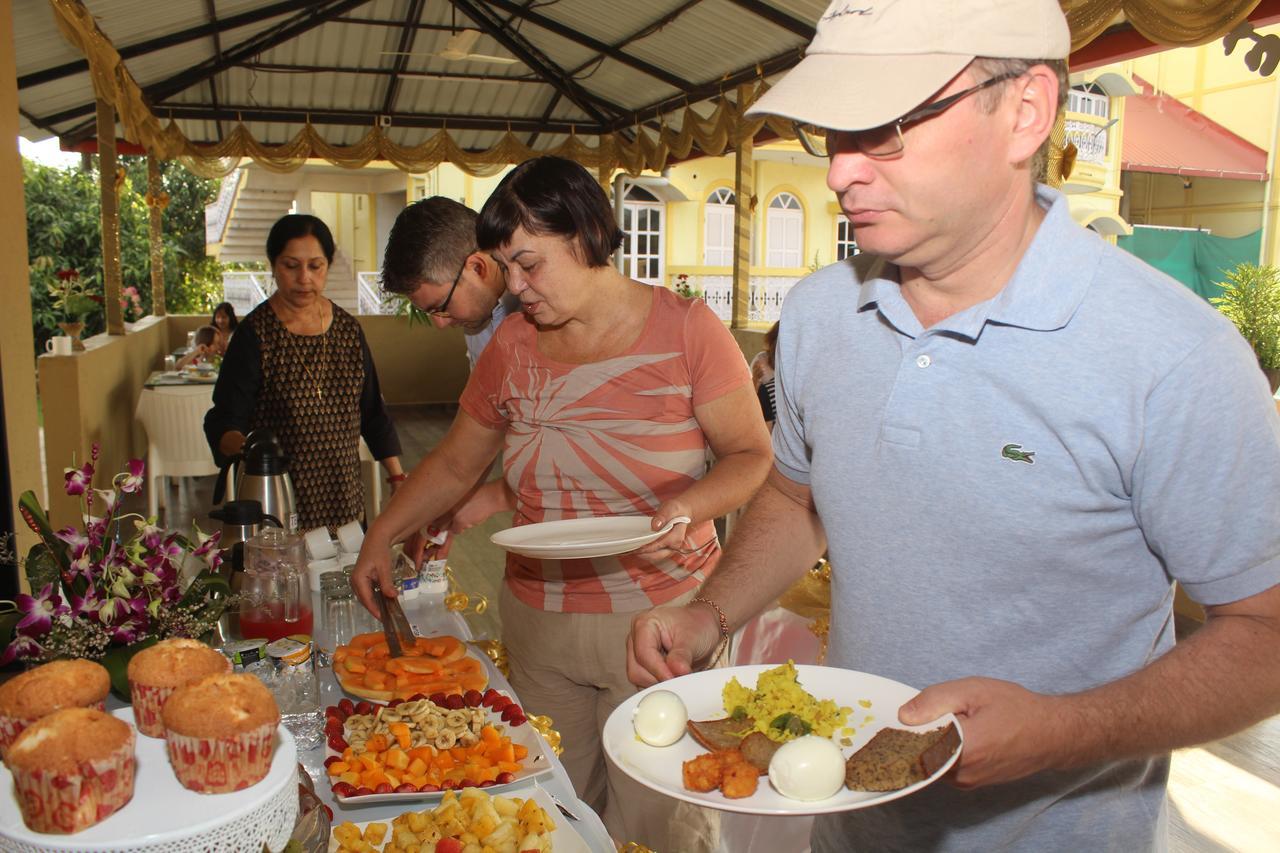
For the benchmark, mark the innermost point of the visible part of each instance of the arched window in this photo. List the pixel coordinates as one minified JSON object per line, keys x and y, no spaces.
{"x":642,"y":218}
{"x":785,"y":228}
{"x":718,"y":243}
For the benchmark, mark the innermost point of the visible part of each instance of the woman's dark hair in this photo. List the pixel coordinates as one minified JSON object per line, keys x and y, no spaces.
{"x":295,"y":225}
{"x":551,"y":195}
{"x":229,"y":310}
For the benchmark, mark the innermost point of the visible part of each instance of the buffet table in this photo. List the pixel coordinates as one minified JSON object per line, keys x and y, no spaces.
{"x":429,"y":616}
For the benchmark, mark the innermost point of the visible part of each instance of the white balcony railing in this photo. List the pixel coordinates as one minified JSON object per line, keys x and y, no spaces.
{"x":369,"y":296}
{"x":764,"y":301}
{"x":245,"y":289}
{"x":1090,"y":141}
{"x":218,"y":214}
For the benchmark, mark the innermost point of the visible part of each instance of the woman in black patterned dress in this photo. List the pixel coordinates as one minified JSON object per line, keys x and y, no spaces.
{"x":299,"y":365}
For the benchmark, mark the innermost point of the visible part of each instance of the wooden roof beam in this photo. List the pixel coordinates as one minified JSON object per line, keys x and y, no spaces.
{"x":537,"y":61}
{"x":369,"y":118}
{"x":778,"y":18}
{"x":407,"y":34}
{"x":599,"y":47}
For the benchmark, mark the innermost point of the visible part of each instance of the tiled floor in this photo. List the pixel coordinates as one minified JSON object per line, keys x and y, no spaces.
{"x":1224,"y":796}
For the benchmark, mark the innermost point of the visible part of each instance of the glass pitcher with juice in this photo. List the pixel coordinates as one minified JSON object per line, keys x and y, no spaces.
{"x":275,"y":597}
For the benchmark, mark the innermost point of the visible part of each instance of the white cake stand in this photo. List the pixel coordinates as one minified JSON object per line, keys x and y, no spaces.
{"x":163,"y":815}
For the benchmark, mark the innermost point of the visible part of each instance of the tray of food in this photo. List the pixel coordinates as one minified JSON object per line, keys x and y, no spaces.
{"x":528,"y":823}
{"x":779,"y":740}
{"x":365,"y":669}
{"x":418,"y":748}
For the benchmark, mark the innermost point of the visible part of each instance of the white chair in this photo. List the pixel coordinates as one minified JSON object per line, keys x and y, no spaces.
{"x":173,"y":418}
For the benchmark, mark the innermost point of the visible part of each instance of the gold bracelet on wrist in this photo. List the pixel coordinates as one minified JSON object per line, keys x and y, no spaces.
{"x":723,"y":625}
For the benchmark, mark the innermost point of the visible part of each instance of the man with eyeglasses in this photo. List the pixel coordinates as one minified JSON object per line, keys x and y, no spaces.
{"x":1012,"y":438}
{"x":432,"y":260}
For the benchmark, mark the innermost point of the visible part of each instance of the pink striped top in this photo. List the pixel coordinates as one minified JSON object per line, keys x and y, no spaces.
{"x":615,"y":437}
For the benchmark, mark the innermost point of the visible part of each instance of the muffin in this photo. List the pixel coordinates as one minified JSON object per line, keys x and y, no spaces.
{"x":220,"y":732}
{"x":156,"y":671}
{"x":58,"y":684}
{"x":71,"y":769}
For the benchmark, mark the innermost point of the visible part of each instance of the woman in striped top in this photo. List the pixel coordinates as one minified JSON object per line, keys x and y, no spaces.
{"x":605,"y":396}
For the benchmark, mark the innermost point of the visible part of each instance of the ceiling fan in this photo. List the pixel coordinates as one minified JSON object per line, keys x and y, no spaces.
{"x":458,"y":48}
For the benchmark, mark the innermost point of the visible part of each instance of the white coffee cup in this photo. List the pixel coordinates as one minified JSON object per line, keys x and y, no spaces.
{"x":58,"y":345}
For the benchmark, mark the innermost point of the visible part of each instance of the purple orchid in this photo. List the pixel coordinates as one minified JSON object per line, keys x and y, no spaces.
{"x":79,"y":479}
{"x":87,"y":605}
{"x":130,"y":482}
{"x":38,"y":611}
{"x":21,"y":646}
{"x":128,"y":631}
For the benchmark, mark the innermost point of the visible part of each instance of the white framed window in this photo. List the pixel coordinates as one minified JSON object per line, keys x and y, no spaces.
{"x":846,"y":242}
{"x":643,"y":217}
{"x":718,"y":237}
{"x":1088,"y":99}
{"x":785,"y":224}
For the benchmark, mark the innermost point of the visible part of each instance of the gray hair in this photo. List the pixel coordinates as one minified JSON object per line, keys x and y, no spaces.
{"x":989,"y":99}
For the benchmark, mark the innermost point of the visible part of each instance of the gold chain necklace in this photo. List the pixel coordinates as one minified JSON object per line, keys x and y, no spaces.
{"x":323,"y":368}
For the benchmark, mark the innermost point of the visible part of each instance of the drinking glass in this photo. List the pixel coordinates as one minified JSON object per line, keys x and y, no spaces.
{"x":339,"y":613}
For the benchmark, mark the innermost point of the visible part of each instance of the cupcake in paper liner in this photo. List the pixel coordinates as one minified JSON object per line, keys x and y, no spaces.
{"x":58,"y":684}
{"x":220,"y":733}
{"x":72,"y":769}
{"x":156,"y":671}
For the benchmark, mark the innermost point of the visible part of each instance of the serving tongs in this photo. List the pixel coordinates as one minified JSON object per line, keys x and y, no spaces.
{"x":395,"y":625}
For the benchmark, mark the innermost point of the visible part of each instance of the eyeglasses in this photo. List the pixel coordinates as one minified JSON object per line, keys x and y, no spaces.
{"x":885,"y":142}
{"x":444,"y":306}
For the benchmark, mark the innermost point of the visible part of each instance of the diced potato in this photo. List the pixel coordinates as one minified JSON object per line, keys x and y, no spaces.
{"x":347,"y":833}
{"x":374,"y":833}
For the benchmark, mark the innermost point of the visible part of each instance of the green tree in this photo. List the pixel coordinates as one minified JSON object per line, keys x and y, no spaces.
{"x":63,"y":233}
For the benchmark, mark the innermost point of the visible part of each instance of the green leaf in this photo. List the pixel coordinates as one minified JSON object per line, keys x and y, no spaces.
{"x":41,"y":568}
{"x":116,"y":660}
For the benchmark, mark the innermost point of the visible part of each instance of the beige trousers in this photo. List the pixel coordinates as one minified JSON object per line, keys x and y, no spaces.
{"x":573,"y":668}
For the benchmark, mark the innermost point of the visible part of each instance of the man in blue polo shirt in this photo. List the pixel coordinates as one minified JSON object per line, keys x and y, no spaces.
{"x":1012,"y":438}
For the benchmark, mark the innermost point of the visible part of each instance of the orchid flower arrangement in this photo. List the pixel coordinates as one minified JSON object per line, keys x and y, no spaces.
{"x":95,"y":591}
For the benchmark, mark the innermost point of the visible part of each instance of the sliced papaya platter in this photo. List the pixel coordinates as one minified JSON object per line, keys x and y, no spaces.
{"x":365,"y":669}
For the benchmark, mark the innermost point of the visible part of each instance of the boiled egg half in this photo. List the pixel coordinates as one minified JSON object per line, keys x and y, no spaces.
{"x":660,"y":718}
{"x":807,"y":768}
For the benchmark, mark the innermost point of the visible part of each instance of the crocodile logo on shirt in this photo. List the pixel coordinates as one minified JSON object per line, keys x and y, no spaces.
{"x":1015,"y":453}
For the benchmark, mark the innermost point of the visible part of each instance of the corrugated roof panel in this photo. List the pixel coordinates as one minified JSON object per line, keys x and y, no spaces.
{"x":700,"y":45}
{"x":1163,"y":135}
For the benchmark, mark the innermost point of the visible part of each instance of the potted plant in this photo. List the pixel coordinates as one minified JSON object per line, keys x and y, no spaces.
{"x":103,"y":593}
{"x":1251,"y":299}
{"x":71,"y":297}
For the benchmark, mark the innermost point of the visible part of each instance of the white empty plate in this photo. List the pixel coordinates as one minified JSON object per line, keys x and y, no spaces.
{"x":580,"y":538}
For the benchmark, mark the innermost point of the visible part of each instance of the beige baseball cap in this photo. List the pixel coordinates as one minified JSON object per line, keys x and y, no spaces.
{"x":871,"y":61}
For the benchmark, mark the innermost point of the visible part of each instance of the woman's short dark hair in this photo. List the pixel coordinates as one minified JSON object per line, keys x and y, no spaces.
{"x":551,"y":195}
{"x":229,"y":310}
{"x":294,"y":225}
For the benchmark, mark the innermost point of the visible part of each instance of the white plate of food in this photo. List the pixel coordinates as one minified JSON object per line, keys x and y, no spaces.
{"x":496,"y":710}
{"x":563,"y":838}
{"x":872,"y":701}
{"x":581,"y":538}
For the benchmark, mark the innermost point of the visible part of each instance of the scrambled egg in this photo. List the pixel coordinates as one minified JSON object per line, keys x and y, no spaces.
{"x":781,"y":708}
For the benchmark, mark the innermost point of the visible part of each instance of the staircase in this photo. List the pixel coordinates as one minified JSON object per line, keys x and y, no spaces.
{"x":341,"y":284}
{"x":236,"y":225}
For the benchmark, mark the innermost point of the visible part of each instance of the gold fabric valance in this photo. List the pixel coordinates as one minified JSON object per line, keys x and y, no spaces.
{"x":1173,"y":22}
{"x":1176,"y":23}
